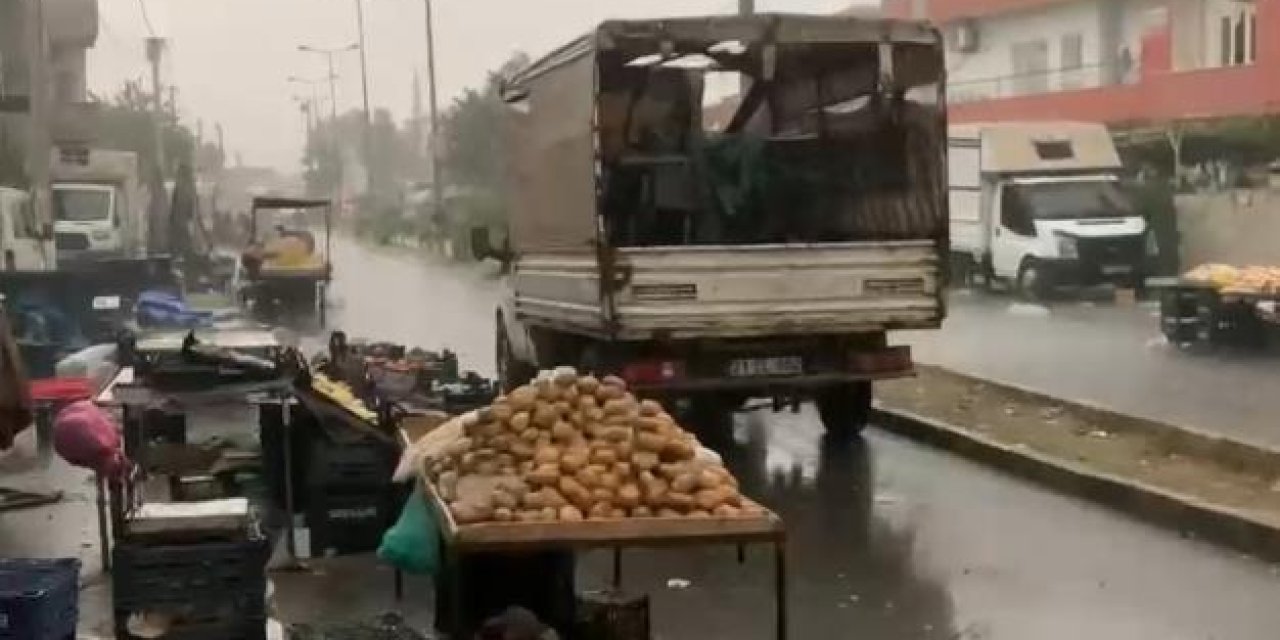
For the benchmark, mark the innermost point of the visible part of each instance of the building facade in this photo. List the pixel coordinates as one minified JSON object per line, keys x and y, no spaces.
{"x":1123,"y":62}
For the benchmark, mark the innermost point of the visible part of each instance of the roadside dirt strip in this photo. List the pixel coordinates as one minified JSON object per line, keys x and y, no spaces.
{"x":1200,"y":484}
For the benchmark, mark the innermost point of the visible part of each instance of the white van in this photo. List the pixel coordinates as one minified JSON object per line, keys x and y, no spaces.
{"x":24,"y":246}
{"x":1041,"y":204}
{"x":98,"y":205}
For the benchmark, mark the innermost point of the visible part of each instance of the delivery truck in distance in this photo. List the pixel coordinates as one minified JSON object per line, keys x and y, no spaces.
{"x":1040,"y":204}
{"x":768,"y":257}
{"x":99,"y":206}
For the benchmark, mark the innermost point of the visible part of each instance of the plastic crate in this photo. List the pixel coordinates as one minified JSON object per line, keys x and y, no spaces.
{"x":350,"y":467}
{"x":39,"y":599}
{"x":210,"y":576}
{"x":347,"y":523}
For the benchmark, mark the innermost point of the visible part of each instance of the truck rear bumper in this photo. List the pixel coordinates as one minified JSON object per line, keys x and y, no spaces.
{"x":1080,"y":272}
{"x":738,"y":372}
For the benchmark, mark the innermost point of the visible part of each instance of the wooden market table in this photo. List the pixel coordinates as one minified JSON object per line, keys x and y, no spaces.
{"x":524,"y":537}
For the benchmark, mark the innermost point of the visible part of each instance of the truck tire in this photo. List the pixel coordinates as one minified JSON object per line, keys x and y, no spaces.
{"x":710,"y":417}
{"x":845,"y":409}
{"x":1031,"y":284}
{"x":511,"y":372}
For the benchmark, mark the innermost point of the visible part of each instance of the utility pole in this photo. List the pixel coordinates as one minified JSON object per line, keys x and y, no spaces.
{"x":364,"y":88}
{"x":746,"y":9}
{"x":158,"y":229}
{"x":437,"y":168}
{"x":39,"y":151}
{"x":333,"y":110}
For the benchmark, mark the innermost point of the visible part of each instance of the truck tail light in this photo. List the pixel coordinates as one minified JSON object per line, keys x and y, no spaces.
{"x":652,"y":371}
{"x":889,"y":360}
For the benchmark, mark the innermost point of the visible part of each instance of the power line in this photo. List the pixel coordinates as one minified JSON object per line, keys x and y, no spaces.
{"x":146,"y":18}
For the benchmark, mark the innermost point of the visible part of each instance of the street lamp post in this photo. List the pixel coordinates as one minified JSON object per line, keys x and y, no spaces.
{"x":333,"y":107}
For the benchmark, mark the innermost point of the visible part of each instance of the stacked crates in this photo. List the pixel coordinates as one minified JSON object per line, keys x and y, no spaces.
{"x":212,"y":590}
{"x":350,"y":498}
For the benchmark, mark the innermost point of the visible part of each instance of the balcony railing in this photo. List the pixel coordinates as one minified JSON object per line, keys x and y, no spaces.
{"x":1027,"y":84}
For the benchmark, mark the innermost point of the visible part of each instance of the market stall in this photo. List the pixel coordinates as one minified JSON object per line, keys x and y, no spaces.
{"x":1217,"y":305}
{"x":570,"y":463}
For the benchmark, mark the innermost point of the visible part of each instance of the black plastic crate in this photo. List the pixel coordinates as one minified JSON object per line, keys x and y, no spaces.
{"x":347,"y":523}
{"x":352,"y":467}
{"x":207,"y":628}
{"x":212,"y":576}
{"x":39,"y":599}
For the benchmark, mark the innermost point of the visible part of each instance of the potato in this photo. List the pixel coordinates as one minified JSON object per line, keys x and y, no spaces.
{"x":623,"y":470}
{"x":502,"y":443}
{"x":532,"y":500}
{"x":678,"y":449}
{"x":650,"y":408}
{"x":574,"y":460}
{"x":602,"y":495}
{"x":589,"y":477}
{"x":668,"y":512}
{"x":575,"y":493}
{"x":487,"y":429}
{"x":709,"y":479}
{"x":618,"y":513}
{"x":648,"y":424}
{"x":644,"y":460}
{"x":522,"y":398}
{"x":647,"y":441}
{"x":503,"y":514}
{"x":670,"y":470}
{"x":565,"y":376}
{"x":684,"y":483}
{"x":709,"y":499}
{"x":604,"y":456}
{"x":547,"y":455}
{"x":467,"y":512}
{"x":545,"y":415}
{"x":563,"y":408}
{"x":593,"y":415}
{"x":588,"y":384}
{"x":467,"y":463}
{"x":570,"y":395}
{"x":549,"y":514}
{"x":522,"y":450}
{"x":615,"y":433}
{"x":698,"y":513}
{"x":614,"y":381}
{"x":610,"y":480}
{"x":600,"y":511}
{"x":547,"y":390}
{"x":570,"y":513}
{"x":544,"y":475}
{"x":552,"y":498}
{"x":621,"y":407}
{"x":487,"y":468}
{"x":752,"y":510}
{"x":519,"y":422}
{"x":587,"y":401}
{"x":482,"y":415}
{"x":642,"y":511}
{"x":447,"y":484}
{"x":563,"y":431}
{"x":608,"y":392}
{"x":526,"y":467}
{"x":679,"y":500}
{"x":726,"y":511}
{"x":502,"y":410}
{"x":544,"y":439}
{"x":527,"y":515}
{"x":530,"y":435}
{"x":628,"y":496}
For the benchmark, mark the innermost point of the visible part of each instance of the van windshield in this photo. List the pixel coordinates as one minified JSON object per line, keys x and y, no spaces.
{"x":81,"y":205}
{"x":1073,"y":200}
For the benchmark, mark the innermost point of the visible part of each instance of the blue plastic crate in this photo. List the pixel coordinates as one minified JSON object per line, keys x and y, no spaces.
{"x":39,"y":599}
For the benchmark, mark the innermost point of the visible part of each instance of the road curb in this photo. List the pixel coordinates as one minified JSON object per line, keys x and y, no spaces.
{"x":1235,"y":453}
{"x":1188,"y":515}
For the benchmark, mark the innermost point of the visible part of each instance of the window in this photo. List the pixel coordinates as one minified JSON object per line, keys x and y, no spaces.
{"x":1072,"y":60}
{"x":1054,"y":149}
{"x":1224,"y":44}
{"x":1030,"y":67}
{"x":1238,"y":44}
{"x":1013,"y":213}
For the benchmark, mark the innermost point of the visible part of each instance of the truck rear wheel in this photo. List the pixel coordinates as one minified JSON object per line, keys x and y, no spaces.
{"x":511,"y":371}
{"x":845,"y":409}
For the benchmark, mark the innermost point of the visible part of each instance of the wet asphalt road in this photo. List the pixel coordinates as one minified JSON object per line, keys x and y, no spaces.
{"x":887,"y":540}
{"x":1112,"y":356}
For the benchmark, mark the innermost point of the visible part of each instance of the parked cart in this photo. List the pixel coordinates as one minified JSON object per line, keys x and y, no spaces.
{"x":1202,"y":315}
{"x":281,"y":279}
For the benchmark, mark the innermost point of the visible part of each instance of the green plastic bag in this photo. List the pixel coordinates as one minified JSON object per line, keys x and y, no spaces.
{"x":412,"y":544}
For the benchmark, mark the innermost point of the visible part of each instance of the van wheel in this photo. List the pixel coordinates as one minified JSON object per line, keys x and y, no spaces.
{"x":511,"y":372}
{"x":1031,"y":283}
{"x":845,"y":409}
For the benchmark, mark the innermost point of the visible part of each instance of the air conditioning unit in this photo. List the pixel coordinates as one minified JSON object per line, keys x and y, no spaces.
{"x":964,"y":36}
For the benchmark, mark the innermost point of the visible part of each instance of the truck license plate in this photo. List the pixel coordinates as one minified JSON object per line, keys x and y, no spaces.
{"x":1115,"y":270}
{"x":777,"y":366}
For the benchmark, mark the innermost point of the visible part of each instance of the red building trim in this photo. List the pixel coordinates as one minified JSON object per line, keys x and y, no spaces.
{"x":1157,"y":96}
{"x":944,"y":11}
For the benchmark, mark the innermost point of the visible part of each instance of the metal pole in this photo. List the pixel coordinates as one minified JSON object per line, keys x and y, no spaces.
{"x":333,"y":129}
{"x":364,"y":87}
{"x":38,"y":141}
{"x":155,"y":49}
{"x":437,"y":168}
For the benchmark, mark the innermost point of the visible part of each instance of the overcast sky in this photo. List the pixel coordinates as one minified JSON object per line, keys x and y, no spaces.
{"x":230,"y":58}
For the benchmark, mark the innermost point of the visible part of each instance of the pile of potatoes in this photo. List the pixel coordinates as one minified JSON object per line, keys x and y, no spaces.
{"x":567,"y":448}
